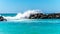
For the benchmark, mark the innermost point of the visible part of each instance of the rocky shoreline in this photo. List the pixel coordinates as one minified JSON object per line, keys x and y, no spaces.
{"x":39,"y":16}
{"x":45,"y":16}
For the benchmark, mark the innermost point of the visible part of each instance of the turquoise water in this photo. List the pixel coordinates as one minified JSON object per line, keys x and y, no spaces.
{"x":9,"y":14}
{"x":41,"y":26}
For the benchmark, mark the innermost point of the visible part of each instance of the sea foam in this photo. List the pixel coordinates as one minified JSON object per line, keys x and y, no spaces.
{"x":24,"y":15}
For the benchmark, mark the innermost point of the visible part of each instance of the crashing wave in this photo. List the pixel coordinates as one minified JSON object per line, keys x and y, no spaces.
{"x":24,"y":15}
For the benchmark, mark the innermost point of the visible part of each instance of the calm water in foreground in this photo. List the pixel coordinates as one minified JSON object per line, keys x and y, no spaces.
{"x":32,"y":27}
{"x":41,"y":26}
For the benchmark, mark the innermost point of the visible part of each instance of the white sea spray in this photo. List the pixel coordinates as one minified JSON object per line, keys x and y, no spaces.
{"x":24,"y":15}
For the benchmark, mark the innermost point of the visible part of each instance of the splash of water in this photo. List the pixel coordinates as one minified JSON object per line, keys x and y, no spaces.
{"x":24,"y":15}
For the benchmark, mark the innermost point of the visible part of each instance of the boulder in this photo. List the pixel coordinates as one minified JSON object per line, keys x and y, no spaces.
{"x":2,"y":19}
{"x":38,"y":16}
{"x":45,"y":16}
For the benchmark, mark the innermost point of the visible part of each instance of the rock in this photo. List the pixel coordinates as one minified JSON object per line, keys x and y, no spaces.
{"x":37,"y":16}
{"x":54,"y":16}
{"x":2,"y":19}
{"x":45,"y":16}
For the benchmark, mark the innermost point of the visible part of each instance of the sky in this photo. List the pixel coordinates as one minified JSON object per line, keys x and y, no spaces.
{"x":16,"y":6}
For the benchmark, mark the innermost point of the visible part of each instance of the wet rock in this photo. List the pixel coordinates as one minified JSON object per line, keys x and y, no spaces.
{"x":45,"y":16}
{"x":2,"y":19}
{"x":54,"y":16}
{"x":37,"y":16}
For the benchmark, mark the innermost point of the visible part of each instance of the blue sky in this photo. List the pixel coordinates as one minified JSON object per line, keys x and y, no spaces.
{"x":15,"y":6}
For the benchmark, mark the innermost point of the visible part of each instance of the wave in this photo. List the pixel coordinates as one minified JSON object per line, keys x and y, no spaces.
{"x":34,"y":21}
{"x":24,"y":15}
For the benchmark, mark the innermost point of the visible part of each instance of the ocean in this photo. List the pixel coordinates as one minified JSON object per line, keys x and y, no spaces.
{"x":30,"y":26}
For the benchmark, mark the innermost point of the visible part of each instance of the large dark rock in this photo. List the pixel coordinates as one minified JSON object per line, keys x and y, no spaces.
{"x":2,"y":19}
{"x":38,"y":16}
{"x":54,"y":16}
{"x":45,"y":16}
